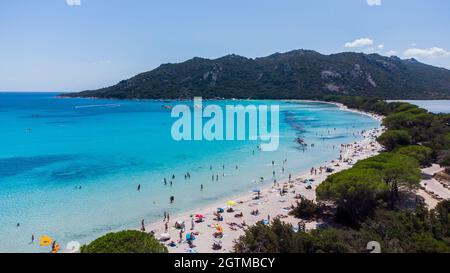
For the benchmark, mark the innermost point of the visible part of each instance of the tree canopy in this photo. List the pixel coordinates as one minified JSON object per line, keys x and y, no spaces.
{"x":394,"y":139}
{"x":128,"y":241}
{"x":424,"y":155}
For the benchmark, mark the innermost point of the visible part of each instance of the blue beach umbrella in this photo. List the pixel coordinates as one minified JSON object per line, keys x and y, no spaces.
{"x":189,"y":237}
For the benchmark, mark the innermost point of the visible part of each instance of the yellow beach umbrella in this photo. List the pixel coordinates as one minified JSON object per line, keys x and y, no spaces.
{"x":45,"y":240}
{"x":231,"y":203}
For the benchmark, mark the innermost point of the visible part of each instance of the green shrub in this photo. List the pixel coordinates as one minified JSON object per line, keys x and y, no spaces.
{"x":305,"y":209}
{"x":129,"y":241}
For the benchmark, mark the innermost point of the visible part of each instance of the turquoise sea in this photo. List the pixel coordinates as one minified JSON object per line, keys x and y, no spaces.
{"x":50,"y":147}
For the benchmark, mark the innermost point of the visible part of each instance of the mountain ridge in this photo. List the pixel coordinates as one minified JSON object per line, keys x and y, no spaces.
{"x":296,"y":74}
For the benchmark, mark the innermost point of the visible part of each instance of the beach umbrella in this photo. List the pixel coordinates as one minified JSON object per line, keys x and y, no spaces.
{"x":199,"y":216}
{"x":45,"y":240}
{"x":231,"y":203}
{"x":190,"y":237}
{"x":256,"y":190}
{"x":164,"y":236}
{"x":220,"y":229}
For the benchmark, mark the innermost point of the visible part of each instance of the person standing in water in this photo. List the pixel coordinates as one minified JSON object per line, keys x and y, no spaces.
{"x":201,"y":187}
{"x":172,"y":199}
{"x":139,"y":187}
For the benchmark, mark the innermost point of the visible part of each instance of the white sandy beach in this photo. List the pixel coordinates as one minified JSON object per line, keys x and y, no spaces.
{"x":270,"y":204}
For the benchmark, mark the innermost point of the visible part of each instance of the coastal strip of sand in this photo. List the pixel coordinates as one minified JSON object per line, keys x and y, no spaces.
{"x":214,"y":236}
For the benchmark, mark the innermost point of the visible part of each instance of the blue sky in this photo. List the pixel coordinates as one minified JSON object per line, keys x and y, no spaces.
{"x":72,"y":45}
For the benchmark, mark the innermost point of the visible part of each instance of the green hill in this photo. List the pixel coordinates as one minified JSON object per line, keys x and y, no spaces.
{"x":298,"y":74}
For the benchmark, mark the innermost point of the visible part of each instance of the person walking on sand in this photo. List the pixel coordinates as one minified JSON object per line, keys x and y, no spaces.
{"x":166,"y":227}
{"x":192,"y":224}
{"x":168,"y":217}
{"x":142,"y":225}
{"x":165,"y":216}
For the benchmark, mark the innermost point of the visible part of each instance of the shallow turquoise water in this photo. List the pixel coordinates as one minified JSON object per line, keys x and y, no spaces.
{"x":50,"y":146}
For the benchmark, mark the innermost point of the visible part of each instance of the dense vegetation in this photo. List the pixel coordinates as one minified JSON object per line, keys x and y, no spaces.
{"x":299,"y":74}
{"x":418,"y":231}
{"x":366,"y":197}
{"x":125,"y":242}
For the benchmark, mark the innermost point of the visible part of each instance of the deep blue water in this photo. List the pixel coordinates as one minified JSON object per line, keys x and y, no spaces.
{"x":50,"y":146}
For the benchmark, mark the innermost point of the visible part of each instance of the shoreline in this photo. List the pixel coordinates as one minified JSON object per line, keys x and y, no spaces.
{"x":271,"y":202}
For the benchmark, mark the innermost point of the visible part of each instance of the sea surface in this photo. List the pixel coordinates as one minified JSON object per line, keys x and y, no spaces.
{"x":69,"y":168}
{"x":434,"y":106}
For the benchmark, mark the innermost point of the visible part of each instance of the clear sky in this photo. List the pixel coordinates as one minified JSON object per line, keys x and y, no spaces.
{"x":72,"y":45}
